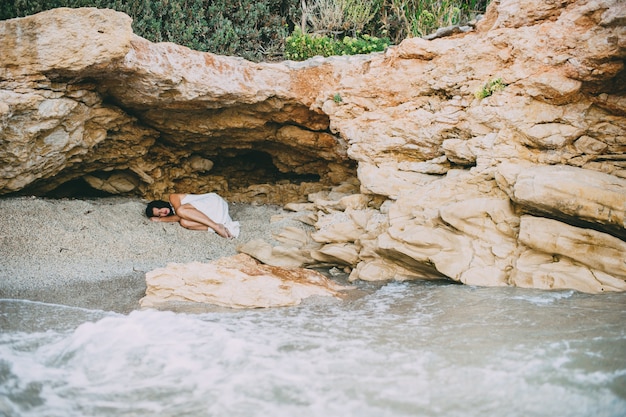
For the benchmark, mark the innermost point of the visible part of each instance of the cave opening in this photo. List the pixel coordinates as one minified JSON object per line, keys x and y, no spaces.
{"x":249,"y":167}
{"x":239,"y":168}
{"x":76,"y":188}
{"x":92,"y":185}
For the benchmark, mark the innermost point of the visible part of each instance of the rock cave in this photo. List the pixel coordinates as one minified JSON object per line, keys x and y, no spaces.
{"x":414,"y":173}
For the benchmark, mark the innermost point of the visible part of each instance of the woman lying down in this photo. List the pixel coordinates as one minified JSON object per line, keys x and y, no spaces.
{"x":195,"y":212}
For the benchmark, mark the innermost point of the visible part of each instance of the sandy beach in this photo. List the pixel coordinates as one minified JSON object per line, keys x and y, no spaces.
{"x":94,"y":253}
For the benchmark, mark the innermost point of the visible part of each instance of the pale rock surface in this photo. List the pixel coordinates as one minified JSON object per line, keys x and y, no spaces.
{"x":337,"y":254}
{"x":540,"y":270}
{"x":408,"y":176}
{"x":591,"y":249}
{"x":296,"y":255}
{"x":235,"y":282}
{"x":386,"y":179}
{"x":463,"y":229}
{"x":67,"y":40}
{"x":293,"y":251}
{"x":557,"y":255}
{"x":566,"y":191}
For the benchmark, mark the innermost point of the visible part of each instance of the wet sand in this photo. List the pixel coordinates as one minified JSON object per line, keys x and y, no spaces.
{"x":94,"y":253}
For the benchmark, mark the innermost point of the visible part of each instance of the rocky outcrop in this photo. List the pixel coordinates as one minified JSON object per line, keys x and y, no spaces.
{"x":491,"y":157}
{"x":235,"y":282}
{"x":81,"y":97}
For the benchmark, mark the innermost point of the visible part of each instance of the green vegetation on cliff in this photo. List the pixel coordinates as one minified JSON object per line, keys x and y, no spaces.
{"x":259,"y":29}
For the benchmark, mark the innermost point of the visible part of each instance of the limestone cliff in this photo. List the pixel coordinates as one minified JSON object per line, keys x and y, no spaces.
{"x":492,"y":157}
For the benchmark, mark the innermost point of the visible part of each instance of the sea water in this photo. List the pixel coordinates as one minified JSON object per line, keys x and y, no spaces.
{"x":400,"y":349}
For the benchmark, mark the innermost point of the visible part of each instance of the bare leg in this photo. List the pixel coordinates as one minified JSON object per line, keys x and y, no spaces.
{"x":195,"y":219}
{"x":191,"y":225}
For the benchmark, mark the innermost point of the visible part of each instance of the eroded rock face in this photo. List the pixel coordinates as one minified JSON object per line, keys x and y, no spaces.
{"x":129,"y":116}
{"x":235,"y":282}
{"x":429,"y":180}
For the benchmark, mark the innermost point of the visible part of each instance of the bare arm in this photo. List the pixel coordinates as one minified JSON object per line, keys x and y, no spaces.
{"x":168,"y":219}
{"x":175,"y":200}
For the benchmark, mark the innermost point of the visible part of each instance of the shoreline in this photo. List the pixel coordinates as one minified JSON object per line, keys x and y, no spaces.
{"x":94,"y":252}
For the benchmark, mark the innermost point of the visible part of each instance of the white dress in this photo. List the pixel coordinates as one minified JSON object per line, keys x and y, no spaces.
{"x":215,"y":208}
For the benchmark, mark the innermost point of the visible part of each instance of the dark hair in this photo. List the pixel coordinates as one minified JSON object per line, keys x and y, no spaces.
{"x":158,"y":204}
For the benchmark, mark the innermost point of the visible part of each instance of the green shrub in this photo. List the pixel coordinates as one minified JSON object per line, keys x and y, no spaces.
{"x":489,"y":88}
{"x":363,"y":44}
{"x":301,"y":46}
{"x":255,"y":30}
{"x":338,"y":16}
{"x":251,"y":29}
{"x":400,"y":19}
{"x":391,"y":19}
{"x":181,"y":22}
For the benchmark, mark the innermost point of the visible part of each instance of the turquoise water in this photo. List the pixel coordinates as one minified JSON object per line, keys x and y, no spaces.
{"x":401,"y":349}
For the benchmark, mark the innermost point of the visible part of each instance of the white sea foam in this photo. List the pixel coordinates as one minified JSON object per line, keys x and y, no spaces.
{"x":404,"y":350}
{"x":544,"y":297}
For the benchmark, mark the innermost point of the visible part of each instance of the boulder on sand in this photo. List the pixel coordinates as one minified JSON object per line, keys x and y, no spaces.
{"x":236,"y":282}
